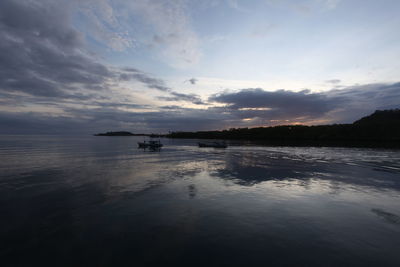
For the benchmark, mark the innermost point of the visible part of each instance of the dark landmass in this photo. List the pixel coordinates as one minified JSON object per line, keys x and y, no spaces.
{"x":380,"y":129}
{"x":122,"y":133}
{"x":125,"y":133}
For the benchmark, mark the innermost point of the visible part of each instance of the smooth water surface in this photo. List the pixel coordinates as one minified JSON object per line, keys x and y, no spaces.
{"x":100,"y":201}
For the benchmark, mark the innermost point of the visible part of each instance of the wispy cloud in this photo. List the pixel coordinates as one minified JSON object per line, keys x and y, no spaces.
{"x":262,"y":30}
{"x":43,"y":55}
{"x":333,"y":81}
{"x":105,"y":24}
{"x":158,"y":84}
{"x":306,"y":6}
{"x":331,"y":4}
{"x":170,"y":30}
{"x":195,"y":99}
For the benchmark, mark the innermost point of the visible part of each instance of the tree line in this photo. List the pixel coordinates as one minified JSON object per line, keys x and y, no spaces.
{"x":382,"y":128}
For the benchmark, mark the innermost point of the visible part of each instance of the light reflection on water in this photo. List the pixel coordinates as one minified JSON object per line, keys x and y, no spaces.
{"x":101,"y":201}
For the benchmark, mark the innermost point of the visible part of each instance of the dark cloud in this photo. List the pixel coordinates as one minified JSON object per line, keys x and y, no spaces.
{"x":173,"y":107}
{"x":42,"y":54}
{"x":335,"y":106}
{"x":44,"y":64}
{"x":150,"y":82}
{"x":195,"y":99}
{"x":120,"y":105}
{"x":158,"y":84}
{"x":340,"y":106}
{"x":279,"y":104}
{"x":40,"y":123}
{"x":92,"y":120}
{"x":361,"y":100}
{"x":192,"y":80}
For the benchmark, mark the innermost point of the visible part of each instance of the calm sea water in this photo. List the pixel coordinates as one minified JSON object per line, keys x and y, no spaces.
{"x":100,"y":201}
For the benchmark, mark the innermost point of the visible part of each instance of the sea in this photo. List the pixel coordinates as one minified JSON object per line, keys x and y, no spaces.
{"x":101,"y":201}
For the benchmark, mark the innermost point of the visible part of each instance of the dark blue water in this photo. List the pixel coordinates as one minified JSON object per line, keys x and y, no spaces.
{"x":100,"y":201}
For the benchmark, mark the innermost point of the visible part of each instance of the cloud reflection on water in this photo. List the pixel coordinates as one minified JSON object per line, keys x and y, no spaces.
{"x":261,"y":203}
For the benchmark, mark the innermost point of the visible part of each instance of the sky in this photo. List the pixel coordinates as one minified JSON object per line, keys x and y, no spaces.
{"x":154,"y":66}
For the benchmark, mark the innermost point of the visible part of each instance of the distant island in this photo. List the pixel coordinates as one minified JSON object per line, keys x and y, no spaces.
{"x":380,"y":129}
{"x":121,"y":133}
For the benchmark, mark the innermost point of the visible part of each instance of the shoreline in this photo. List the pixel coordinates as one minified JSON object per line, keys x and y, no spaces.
{"x":306,"y":143}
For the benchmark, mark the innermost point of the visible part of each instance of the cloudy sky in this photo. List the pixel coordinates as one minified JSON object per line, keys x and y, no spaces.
{"x":86,"y":66}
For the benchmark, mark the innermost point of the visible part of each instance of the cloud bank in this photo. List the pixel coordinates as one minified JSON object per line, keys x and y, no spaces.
{"x":334,"y":106}
{"x":244,"y":108}
{"x":42,"y":54}
{"x":51,"y":83}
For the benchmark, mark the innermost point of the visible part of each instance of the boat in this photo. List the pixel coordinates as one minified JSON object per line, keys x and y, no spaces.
{"x":152,"y":144}
{"x":214,"y":144}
